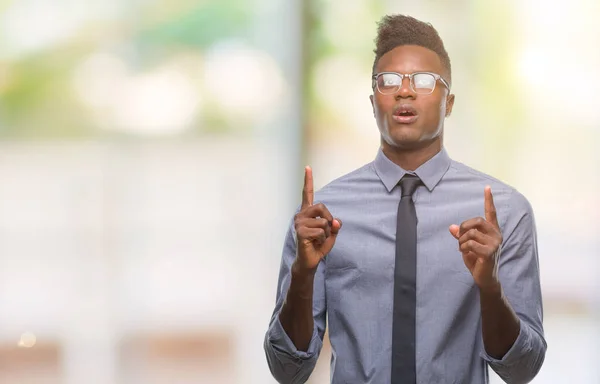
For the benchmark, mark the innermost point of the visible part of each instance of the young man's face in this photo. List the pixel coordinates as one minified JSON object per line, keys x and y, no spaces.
{"x":424,"y":122}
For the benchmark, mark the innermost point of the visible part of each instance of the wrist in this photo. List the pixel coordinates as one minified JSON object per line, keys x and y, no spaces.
{"x":301,"y":285}
{"x":491,"y":289}
{"x":302,"y":273}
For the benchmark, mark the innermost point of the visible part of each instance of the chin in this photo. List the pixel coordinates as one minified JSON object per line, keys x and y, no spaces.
{"x":403,"y":138}
{"x":409,"y":137}
{"x":408,"y":141}
{"x":403,"y":142}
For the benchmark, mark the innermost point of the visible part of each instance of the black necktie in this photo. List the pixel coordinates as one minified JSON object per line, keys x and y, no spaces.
{"x":405,"y":289}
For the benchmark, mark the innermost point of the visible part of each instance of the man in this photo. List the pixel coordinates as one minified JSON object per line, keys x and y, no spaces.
{"x":423,"y":276}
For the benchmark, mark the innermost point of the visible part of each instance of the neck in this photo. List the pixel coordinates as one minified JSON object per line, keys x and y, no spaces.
{"x":411,"y":158}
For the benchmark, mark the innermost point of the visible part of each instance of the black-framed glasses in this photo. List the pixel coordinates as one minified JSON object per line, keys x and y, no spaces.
{"x":422,"y":83}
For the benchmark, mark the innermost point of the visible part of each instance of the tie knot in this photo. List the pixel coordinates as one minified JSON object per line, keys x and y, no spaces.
{"x":408,"y":184}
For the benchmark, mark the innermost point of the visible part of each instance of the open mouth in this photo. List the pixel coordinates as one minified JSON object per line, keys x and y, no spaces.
{"x":405,"y":114}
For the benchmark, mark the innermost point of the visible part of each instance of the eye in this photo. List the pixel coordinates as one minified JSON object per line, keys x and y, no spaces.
{"x":424,"y":81}
{"x":390,"y":80}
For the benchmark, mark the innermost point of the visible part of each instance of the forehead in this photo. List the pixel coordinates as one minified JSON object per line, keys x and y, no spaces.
{"x":408,"y":59}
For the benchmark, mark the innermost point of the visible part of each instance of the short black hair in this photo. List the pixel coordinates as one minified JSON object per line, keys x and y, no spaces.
{"x":396,"y":30}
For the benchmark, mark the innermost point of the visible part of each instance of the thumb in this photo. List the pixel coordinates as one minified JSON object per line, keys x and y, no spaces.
{"x":336,"y":225}
{"x":454,"y":230}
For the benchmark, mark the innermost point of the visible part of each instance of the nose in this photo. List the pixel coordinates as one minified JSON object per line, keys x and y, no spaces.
{"x":405,"y":90}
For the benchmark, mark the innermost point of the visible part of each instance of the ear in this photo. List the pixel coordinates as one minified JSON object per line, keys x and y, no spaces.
{"x":372,"y":103}
{"x":449,"y":104}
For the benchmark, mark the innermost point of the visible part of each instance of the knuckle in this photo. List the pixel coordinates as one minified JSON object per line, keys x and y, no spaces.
{"x":324,"y":208}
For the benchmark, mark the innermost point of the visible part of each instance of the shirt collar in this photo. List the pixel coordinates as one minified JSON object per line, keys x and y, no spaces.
{"x":431,"y":172}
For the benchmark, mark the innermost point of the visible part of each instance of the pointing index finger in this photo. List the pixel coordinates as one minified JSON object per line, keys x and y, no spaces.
{"x":308,"y":190}
{"x":490,"y":208}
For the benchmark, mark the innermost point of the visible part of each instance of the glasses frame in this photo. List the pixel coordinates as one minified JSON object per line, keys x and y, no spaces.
{"x":410,"y":76}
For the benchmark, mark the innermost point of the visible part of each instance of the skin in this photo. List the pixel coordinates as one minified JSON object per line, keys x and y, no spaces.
{"x":316,"y":231}
{"x":409,"y":146}
{"x":480,"y":241}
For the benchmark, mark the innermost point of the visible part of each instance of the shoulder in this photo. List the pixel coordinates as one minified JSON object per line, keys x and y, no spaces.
{"x":508,"y":200}
{"x":349,"y":183}
{"x":469,"y":174}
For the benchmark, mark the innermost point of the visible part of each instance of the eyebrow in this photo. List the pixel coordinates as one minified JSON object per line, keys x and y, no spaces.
{"x":420,"y":70}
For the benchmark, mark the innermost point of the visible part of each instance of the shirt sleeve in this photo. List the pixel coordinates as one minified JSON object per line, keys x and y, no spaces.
{"x":520,"y":278}
{"x":288,"y":364}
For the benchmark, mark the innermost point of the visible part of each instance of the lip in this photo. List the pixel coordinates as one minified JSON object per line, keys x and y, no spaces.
{"x":405,"y":119}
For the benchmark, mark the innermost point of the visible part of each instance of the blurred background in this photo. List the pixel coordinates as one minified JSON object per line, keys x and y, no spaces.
{"x":152,"y":153}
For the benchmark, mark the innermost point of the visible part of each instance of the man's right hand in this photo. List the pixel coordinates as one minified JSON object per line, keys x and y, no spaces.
{"x":316,"y":229}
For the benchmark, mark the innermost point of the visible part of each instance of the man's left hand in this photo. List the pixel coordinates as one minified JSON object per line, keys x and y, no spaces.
{"x":480,"y":241}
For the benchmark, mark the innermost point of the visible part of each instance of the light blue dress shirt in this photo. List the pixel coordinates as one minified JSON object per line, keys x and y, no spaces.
{"x":353,"y":288}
